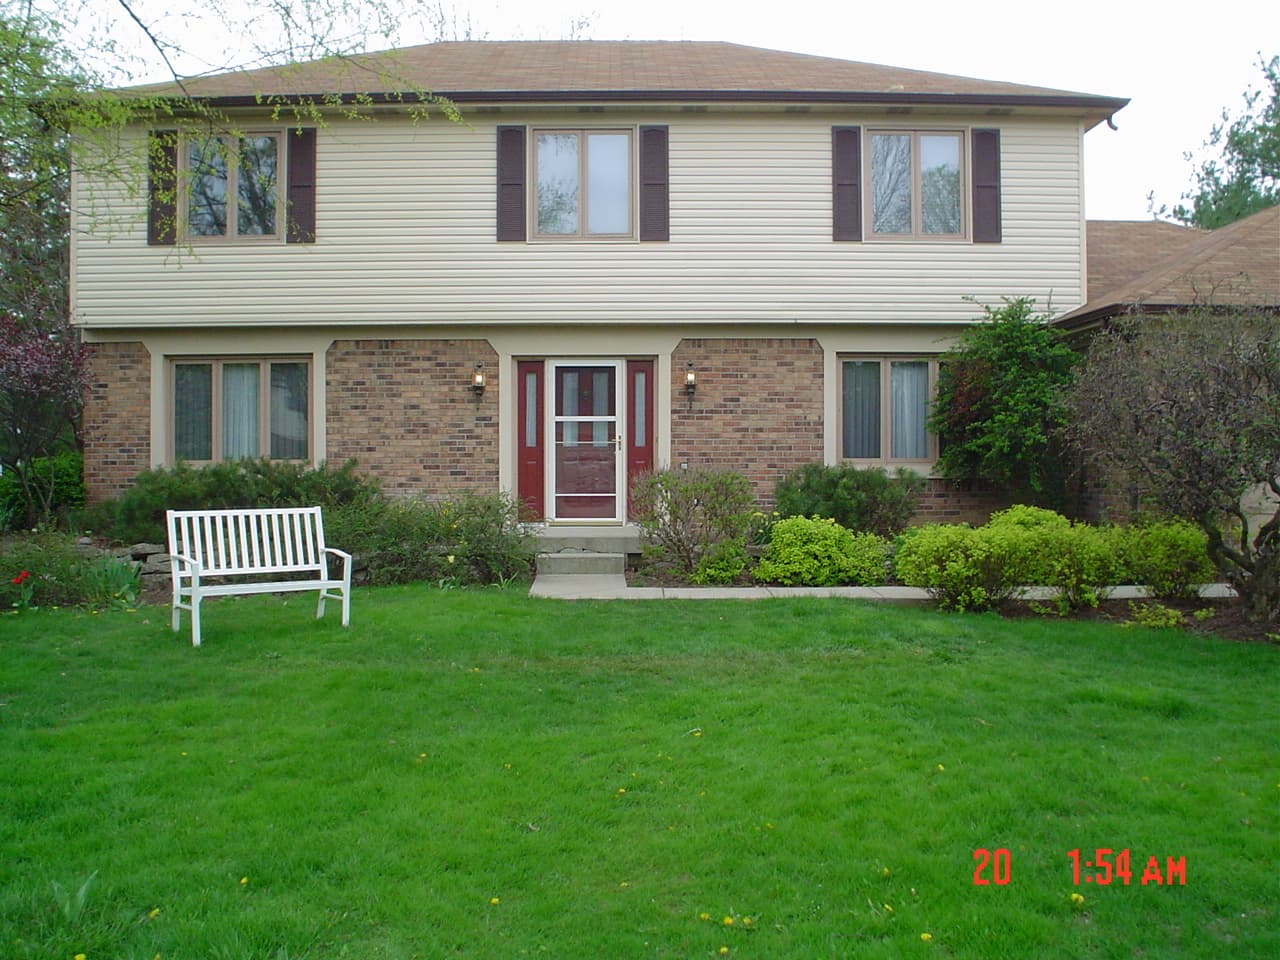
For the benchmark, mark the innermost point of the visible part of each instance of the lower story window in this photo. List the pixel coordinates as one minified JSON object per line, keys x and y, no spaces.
{"x":884,"y":409}
{"x":225,"y":409}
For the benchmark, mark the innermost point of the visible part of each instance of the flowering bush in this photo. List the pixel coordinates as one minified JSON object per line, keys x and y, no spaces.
{"x":42,"y":376}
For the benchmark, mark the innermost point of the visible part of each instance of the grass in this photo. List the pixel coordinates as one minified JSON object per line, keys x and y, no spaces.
{"x":478,"y":774}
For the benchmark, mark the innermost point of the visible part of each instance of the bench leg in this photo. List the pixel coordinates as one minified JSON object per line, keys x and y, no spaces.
{"x":195,"y":621}
{"x":346,"y":605}
{"x":320,"y":605}
{"x":177,"y":616}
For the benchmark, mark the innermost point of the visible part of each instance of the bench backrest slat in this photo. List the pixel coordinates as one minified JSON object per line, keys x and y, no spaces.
{"x":256,"y":540}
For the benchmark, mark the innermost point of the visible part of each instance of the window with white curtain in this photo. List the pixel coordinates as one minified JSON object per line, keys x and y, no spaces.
{"x":227,"y":409}
{"x":884,"y":409}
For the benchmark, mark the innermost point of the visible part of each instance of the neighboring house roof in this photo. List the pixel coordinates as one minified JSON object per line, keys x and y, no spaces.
{"x":1238,"y":264}
{"x":1119,"y":250}
{"x":574,"y":70}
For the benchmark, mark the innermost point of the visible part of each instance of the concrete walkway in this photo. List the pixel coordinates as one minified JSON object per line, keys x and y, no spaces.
{"x":614,"y":587}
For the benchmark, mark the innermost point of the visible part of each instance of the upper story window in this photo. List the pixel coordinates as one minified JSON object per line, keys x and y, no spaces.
{"x":917,"y":184}
{"x":583,"y":184}
{"x":566,"y":184}
{"x":246,"y":186}
{"x":233,"y":186}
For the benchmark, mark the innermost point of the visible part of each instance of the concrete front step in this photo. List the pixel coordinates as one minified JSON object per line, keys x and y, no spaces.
{"x":581,"y":563}
{"x":556,"y":538}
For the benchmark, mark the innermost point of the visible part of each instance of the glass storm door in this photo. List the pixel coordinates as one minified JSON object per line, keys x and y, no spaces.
{"x":586,"y":469}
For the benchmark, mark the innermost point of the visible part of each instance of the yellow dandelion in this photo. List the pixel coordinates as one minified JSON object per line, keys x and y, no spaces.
{"x":724,"y":951}
{"x":704,"y":916}
{"x":884,"y":872}
{"x":624,"y":884}
{"x":243,"y":881}
{"x":621,"y":791}
{"x":1077,"y":899}
{"x":926,"y":937}
{"x":941,"y":768}
{"x":153,"y":913}
{"x":746,"y":921}
{"x":888,"y":909}
{"x":79,"y":956}
{"x":494,"y":901}
{"x":727,"y":921}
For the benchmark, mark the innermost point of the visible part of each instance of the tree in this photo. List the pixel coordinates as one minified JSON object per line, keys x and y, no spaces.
{"x":1187,"y":405}
{"x":43,"y":377}
{"x":1246,"y":177}
{"x":998,"y":408}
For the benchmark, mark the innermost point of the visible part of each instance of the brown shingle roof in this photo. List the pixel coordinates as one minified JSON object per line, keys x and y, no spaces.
{"x":1235,"y":264}
{"x":1120,"y":250}
{"x":621,"y":70}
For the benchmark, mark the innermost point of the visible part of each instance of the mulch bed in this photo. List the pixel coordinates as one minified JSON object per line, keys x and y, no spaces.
{"x":1227,"y":619}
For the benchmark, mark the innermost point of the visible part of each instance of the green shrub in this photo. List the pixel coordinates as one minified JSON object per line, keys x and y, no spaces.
{"x":473,"y":539}
{"x":973,"y":569}
{"x":722,"y":563}
{"x":1079,"y":560}
{"x":66,"y":473}
{"x":1171,"y":558}
{"x":1028,"y":518}
{"x":138,"y":514}
{"x":819,"y":552}
{"x":683,"y":513}
{"x":1156,"y":616}
{"x":60,"y":574}
{"x":999,"y":402}
{"x":857,"y":498}
{"x":962,"y":568}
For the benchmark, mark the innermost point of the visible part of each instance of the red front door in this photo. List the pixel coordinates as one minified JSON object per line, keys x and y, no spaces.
{"x":599,"y":418}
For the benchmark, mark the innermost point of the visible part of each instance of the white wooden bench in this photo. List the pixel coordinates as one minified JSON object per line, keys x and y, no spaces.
{"x":257,"y":544}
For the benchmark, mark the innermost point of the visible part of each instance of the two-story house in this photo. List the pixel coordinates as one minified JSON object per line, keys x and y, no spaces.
{"x":626,"y":255}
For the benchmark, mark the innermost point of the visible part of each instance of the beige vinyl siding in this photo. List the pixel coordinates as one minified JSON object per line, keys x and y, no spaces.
{"x":406,"y":235}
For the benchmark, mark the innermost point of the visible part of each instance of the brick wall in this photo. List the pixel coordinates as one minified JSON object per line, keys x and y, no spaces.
{"x":757,"y":409}
{"x":117,"y":418}
{"x":405,"y":410}
{"x":947,"y":502}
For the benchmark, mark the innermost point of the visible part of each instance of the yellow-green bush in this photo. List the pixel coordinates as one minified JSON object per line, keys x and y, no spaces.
{"x":821,"y":553}
{"x":963,"y":568}
{"x":1171,"y":557}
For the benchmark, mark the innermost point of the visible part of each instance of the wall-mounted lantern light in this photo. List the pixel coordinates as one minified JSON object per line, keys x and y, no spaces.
{"x":477,"y":379}
{"x":690,"y":380}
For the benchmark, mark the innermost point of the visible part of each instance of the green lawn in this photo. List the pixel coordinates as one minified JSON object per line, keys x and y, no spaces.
{"x":477,"y":774}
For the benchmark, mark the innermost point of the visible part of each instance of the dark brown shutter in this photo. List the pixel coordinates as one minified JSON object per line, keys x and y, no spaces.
{"x":655,"y":186}
{"x":846,"y":183}
{"x":986,"y":186}
{"x":301,"y":190}
{"x":162,"y":187}
{"x":511,"y":187}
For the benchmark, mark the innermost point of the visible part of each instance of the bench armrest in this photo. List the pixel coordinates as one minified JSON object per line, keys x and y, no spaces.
{"x":194,"y":564}
{"x":346,"y":559}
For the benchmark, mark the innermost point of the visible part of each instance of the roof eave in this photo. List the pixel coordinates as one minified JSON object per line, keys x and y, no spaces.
{"x":1095,"y":107}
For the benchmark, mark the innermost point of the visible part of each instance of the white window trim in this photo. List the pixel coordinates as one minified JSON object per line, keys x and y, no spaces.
{"x":233,"y":174}
{"x":885,"y":360}
{"x":216,"y":361}
{"x":633,"y":186}
{"x":917,"y":234}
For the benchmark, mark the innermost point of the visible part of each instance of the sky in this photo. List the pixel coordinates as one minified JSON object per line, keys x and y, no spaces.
{"x":1180,"y":64}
